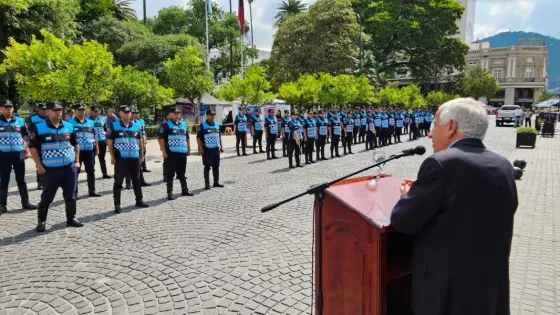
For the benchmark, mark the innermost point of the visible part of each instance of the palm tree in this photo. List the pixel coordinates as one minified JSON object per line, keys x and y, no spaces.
{"x":289,"y":8}
{"x":122,"y":10}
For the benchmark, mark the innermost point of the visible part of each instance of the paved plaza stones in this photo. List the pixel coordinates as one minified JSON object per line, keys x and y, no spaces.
{"x":215,"y":253}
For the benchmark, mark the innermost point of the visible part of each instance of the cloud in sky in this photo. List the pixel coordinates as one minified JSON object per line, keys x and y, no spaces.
{"x":492,"y":16}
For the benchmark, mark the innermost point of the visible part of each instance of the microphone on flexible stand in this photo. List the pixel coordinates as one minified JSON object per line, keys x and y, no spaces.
{"x":419,"y":150}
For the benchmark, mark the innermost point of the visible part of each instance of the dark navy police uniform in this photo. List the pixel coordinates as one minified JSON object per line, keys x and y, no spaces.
{"x":336,"y":133}
{"x":30,"y":122}
{"x":271,"y":127}
{"x":311,"y":133}
{"x":55,"y":146}
{"x":209,"y":138}
{"x":100,"y":125}
{"x":175,"y":136}
{"x":240,"y":131}
{"x":13,"y":134}
{"x":295,"y":136}
{"x":258,"y":125}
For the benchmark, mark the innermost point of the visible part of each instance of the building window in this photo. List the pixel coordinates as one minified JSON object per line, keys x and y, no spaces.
{"x":498,"y":74}
{"x":529,"y":59}
{"x":529,"y":73}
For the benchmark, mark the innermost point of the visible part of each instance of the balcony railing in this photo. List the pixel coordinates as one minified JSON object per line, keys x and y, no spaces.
{"x":529,"y":79}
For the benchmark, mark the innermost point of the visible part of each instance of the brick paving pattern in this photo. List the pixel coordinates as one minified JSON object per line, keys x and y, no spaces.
{"x":215,"y":253}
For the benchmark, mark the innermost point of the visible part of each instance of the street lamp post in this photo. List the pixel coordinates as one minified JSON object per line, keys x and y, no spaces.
{"x":360,"y":19}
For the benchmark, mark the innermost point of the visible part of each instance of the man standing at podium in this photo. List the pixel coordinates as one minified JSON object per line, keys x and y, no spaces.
{"x":460,"y":210}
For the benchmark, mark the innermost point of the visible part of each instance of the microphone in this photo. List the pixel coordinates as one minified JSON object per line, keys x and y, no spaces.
{"x":419,"y":150}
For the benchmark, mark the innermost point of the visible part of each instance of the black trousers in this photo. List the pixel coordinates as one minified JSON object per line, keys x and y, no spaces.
{"x":362,"y":136}
{"x":406,"y":128}
{"x":144,"y":167}
{"x":240,"y":139}
{"x":347,"y":142}
{"x":356,"y":131}
{"x":9,"y":160}
{"x":335,"y":139}
{"x":285,"y":145}
{"x":320,"y":143}
{"x":397,"y":134}
{"x":211,"y":160}
{"x":384,"y":136}
{"x":293,"y":148}
{"x":129,"y":168}
{"x":371,"y":140}
{"x":309,"y":145}
{"x":102,"y":152}
{"x":413,"y":134}
{"x":87,"y":159}
{"x":527,"y":122}
{"x":257,"y":138}
{"x":55,"y":177}
{"x":390,"y":134}
{"x":270,"y":145}
{"x":176,"y":163}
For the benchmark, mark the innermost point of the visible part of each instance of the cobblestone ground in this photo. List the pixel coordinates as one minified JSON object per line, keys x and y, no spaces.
{"x":215,"y":253}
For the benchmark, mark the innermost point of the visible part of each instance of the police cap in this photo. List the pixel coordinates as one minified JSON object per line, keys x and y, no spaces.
{"x":271,"y":110}
{"x":7,"y":103}
{"x":53,"y":105}
{"x":286,"y":111}
{"x":124,"y":109}
{"x":171,"y":109}
{"x":79,"y":107}
{"x":294,"y":113}
{"x":41,"y":106}
{"x":210,"y":111}
{"x":135,"y":110}
{"x":94,"y":108}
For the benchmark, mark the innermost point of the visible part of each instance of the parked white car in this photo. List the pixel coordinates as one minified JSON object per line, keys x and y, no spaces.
{"x":506,"y":115}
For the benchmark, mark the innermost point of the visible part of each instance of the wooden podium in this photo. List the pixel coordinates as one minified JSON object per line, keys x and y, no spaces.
{"x":365,"y":264}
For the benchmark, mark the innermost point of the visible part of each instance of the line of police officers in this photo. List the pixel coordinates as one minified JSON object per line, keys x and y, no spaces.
{"x":308,"y":132}
{"x":59,"y":148}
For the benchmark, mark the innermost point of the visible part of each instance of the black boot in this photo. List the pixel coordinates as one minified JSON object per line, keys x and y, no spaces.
{"x":25,"y":204}
{"x":103,"y":166}
{"x":4,"y":200}
{"x":184,"y":188}
{"x":206,"y":178}
{"x":39,"y":182}
{"x":42,"y":217}
{"x":216,"y":174}
{"x":143,"y":182}
{"x":117,"y":199}
{"x":170,"y":195}
{"x":71,"y":214}
{"x":91,"y":186}
{"x":128,"y":184}
{"x":139,"y":198}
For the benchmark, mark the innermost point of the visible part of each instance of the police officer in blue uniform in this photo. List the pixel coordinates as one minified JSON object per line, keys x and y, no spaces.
{"x":240,"y":128}
{"x":391,"y":118}
{"x":285,"y":132}
{"x":210,"y":146}
{"x":257,"y":130}
{"x":384,"y":128}
{"x":335,"y":131}
{"x":124,"y":139}
{"x":174,"y":143}
{"x":309,"y":137}
{"x":136,"y":118}
{"x":13,"y":152}
{"x":323,"y":131}
{"x":371,"y":131}
{"x":54,"y":148}
{"x":100,"y":125}
{"x":85,"y":134}
{"x":348,"y":123}
{"x":399,"y":123}
{"x":363,"y":127}
{"x":271,"y":130}
{"x":294,"y":140}
{"x":357,"y":124}
{"x":39,"y":116}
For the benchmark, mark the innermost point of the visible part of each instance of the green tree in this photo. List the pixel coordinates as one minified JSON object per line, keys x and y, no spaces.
{"x":91,"y":10}
{"x":321,"y":40}
{"x":390,"y":95}
{"x":438,"y":98}
{"x":412,"y":97}
{"x":344,"y":90}
{"x":545,"y":97}
{"x":327,"y":82}
{"x":49,"y":69}
{"x":171,"y":20}
{"x":148,"y":53}
{"x":121,"y":10}
{"x":287,"y":9}
{"x":108,"y":30}
{"x":252,"y":89}
{"x":480,"y":83}
{"x":141,"y":89}
{"x":188,"y":76}
{"x":302,"y":93}
{"x":365,"y":93}
{"x":411,"y":36}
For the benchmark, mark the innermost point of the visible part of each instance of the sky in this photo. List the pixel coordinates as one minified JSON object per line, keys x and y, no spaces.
{"x":491,"y":17}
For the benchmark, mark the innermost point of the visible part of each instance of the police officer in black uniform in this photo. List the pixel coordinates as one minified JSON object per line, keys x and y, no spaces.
{"x":210,"y":146}
{"x":174,"y":143}
{"x":309,"y":137}
{"x":335,"y":131}
{"x":39,"y":116}
{"x":348,"y":133}
{"x":100,"y":125}
{"x":285,"y":132}
{"x":294,"y":140}
{"x":54,"y":148}
{"x":322,"y":131}
{"x":271,"y":130}
{"x":126,"y":147}
{"x":257,"y":129}
{"x":13,"y":152}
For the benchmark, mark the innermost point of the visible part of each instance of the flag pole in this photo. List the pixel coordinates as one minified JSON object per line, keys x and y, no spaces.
{"x":207,"y":40}
{"x":242,"y":60}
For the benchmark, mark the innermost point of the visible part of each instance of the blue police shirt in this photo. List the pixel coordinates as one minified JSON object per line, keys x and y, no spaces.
{"x":271,"y":125}
{"x":55,"y":144}
{"x":85,"y":133}
{"x":11,"y":134}
{"x":126,"y":139}
{"x":175,"y":136}
{"x":241,"y":123}
{"x":258,"y":121}
{"x":209,"y":135}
